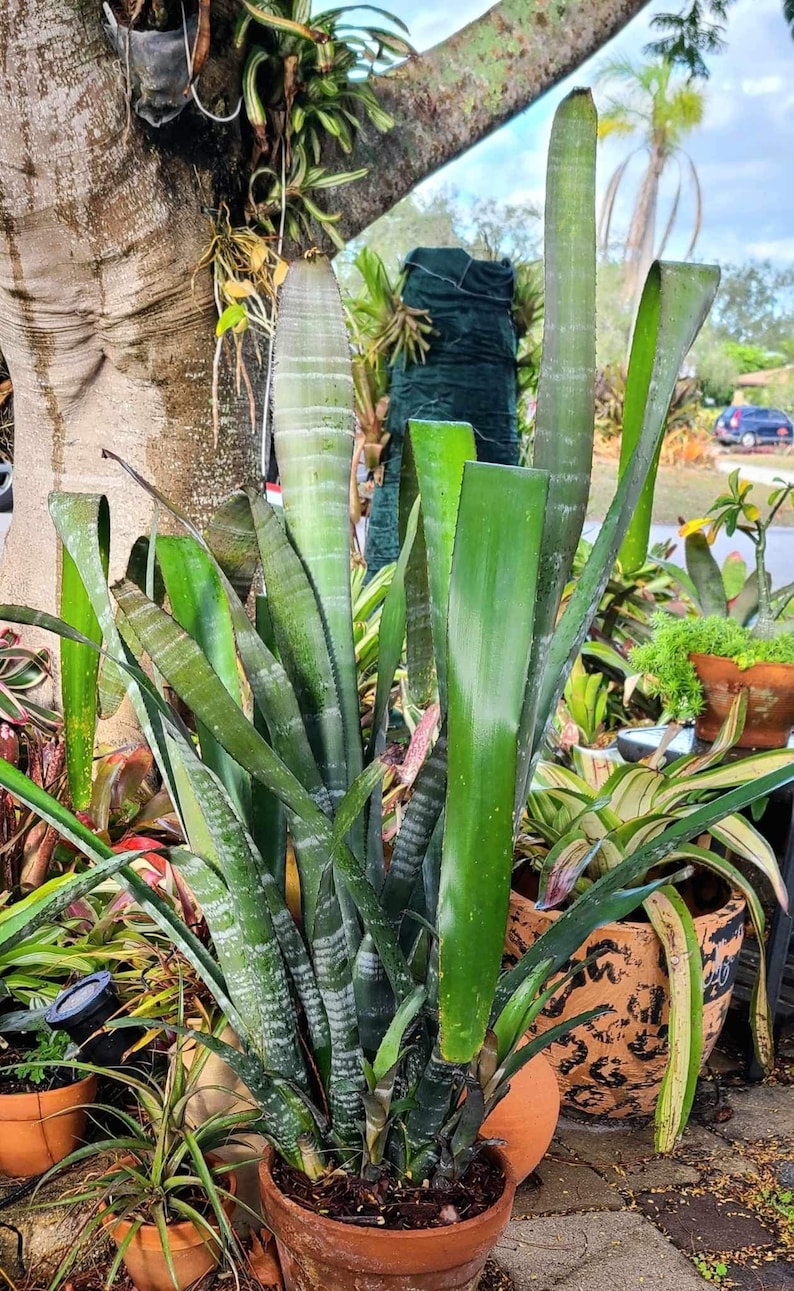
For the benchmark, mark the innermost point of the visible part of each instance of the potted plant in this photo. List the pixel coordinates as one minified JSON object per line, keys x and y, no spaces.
{"x":165,"y":1197}
{"x":698,"y":666}
{"x":668,"y":980}
{"x":379,"y":1031}
{"x":42,"y":1107}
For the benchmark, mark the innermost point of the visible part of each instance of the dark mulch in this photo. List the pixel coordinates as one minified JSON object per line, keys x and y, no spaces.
{"x":495,"y":1279}
{"x":391,"y":1203}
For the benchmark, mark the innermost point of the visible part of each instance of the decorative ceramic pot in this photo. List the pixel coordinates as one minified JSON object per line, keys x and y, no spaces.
{"x":319,"y":1254}
{"x":527,"y":1116}
{"x":193,"y":1251}
{"x":770,"y":700}
{"x":613,"y":1066}
{"x":38,"y":1130}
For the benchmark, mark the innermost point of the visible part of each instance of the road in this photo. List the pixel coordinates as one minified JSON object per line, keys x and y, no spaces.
{"x":779,"y":555}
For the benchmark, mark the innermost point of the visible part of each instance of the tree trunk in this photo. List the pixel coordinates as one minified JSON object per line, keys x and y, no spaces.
{"x":641,"y":241}
{"x":108,"y":339}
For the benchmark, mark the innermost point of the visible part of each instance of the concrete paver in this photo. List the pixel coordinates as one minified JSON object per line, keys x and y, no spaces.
{"x":606,"y":1251}
{"x":564,"y":1186}
{"x":704,"y":1223}
{"x":760,"y":1112}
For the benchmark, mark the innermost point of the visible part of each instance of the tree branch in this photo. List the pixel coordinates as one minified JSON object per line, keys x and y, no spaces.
{"x":467,"y":87}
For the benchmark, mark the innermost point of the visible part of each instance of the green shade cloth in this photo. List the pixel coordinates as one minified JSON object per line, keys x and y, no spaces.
{"x":469,"y":375}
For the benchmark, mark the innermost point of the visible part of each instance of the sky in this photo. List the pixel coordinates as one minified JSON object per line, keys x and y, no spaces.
{"x":744,"y":150}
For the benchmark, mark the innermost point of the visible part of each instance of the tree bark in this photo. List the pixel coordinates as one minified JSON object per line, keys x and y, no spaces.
{"x":108,"y":337}
{"x":467,"y":87}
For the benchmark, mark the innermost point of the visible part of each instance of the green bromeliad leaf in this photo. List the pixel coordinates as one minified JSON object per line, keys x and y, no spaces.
{"x":493,"y":579}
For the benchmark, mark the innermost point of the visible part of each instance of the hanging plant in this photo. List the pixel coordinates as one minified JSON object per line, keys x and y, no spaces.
{"x":307,"y":78}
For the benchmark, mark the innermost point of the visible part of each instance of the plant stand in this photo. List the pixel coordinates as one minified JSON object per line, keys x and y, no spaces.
{"x":636,"y":743}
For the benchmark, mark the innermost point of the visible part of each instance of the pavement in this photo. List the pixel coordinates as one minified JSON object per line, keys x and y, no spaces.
{"x":603,"y":1212}
{"x":755,"y":471}
{"x":779,"y":552}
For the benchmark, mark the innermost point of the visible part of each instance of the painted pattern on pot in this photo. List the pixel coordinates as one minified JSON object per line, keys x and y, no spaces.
{"x":613,"y":1066}
{"x":770,"y":700}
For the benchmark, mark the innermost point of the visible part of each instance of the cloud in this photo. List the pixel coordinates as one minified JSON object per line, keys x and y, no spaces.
{"x":744,"y":150}
{"x":755,"y":87}
{"x":775,"y":249}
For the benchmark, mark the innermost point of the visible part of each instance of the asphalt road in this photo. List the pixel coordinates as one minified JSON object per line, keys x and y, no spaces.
{"x":779,"y":554}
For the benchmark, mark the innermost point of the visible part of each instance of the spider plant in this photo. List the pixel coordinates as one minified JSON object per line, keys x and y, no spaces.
{"x":361,"y":1027}
{"x":163,"y":1168}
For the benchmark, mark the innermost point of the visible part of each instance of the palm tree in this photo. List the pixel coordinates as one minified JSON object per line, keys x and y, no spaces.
{"x":660,"y":110}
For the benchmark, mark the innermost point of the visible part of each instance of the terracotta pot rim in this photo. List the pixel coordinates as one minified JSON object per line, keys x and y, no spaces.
{"x":183,"y":1228}
{"x":404,"y":1237}
{"x":10,"y":1102}
{"x":745,"y":672}
{"x":735,"y":899}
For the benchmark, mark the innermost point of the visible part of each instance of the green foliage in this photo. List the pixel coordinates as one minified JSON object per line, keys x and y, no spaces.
{"x":732,"y":511}
{"x":322,"y":1003}
{"x":21,"y":671}
{"x":712,"y":1270}
{"x":665,"y":659}
{"x":308,"y":79}
{"x":158,"y":1151}
{"x":611,"y":394}
{"x":656,"y":110}
{"x":47,"y":1053}
{"x":685,"y":37}
{"x":755,"y":307}
{"x":590,"y":819}
{"x":751,"y":358}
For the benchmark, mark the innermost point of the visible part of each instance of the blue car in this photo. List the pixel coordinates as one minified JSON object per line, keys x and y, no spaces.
{"x":750,"y":426}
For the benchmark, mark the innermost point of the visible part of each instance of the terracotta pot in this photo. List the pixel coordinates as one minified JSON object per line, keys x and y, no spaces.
{"x":38,"y":1130}
{"x":319,"y":1254}
{"x":770,"y":700}
{"x":193,"y":1252}
{"x":527,"y":1116}
{"x":613,"y":1066}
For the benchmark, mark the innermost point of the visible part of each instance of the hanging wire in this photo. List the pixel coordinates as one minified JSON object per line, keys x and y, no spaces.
{"x":194,"y":92}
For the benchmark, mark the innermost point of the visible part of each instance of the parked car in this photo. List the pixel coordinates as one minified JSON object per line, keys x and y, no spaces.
{"x":749,"y":426}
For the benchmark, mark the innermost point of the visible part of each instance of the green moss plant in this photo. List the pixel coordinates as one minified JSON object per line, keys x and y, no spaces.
{"x":665,"y":659}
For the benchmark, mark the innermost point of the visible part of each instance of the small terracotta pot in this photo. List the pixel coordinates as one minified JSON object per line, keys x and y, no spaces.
{"x":613,"y":1066}
{"x":770,"y":700}
{"x":38,"y":1130}
{"x":527,"y":1116}
{"x":319,"y":1254}
{"x":193,"y":1252}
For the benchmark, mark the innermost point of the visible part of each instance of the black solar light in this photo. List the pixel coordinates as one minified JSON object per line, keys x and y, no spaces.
{"x":82,"y":1009}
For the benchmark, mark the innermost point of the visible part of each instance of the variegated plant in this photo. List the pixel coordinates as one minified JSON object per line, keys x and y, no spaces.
{"x":589,"y":819}
{"x":361,"y":1026}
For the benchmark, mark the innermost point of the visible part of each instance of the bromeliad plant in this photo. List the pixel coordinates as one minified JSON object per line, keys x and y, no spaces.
{"x":586,"y":821}
{"x":361,"y":1027}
